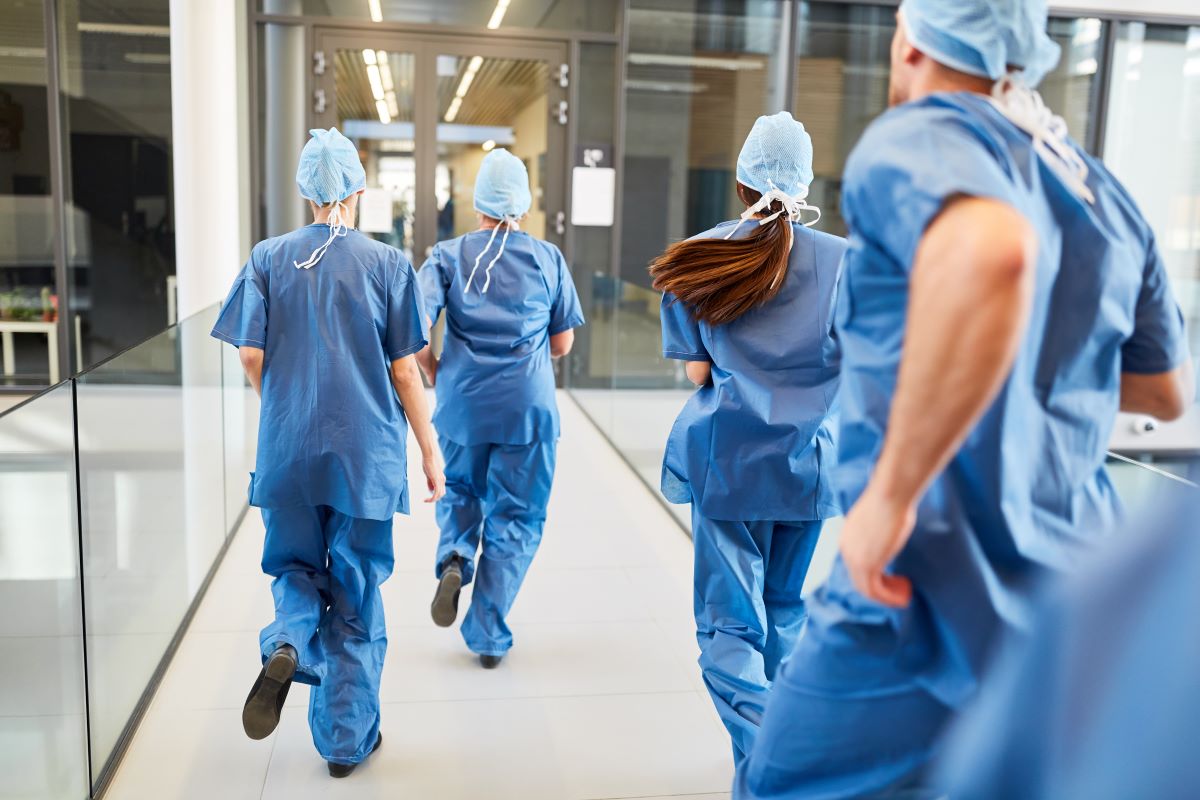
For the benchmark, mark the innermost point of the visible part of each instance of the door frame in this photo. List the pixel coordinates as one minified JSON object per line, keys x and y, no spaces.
{"x":425,"y":49}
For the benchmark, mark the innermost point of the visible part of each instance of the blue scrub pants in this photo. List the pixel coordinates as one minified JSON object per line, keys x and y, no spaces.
{"x":748,"y":577}
{"x":328,"y":568}
{"x":496,"y":496}
{"x":846,"y":719}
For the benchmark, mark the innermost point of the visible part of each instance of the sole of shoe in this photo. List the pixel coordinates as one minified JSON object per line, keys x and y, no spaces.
{"x":444,"y":609}
{"x":490,"y":662}
{"x":260,"y":716}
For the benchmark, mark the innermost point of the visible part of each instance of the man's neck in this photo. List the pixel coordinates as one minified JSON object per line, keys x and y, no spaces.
{"x":938,"y":81}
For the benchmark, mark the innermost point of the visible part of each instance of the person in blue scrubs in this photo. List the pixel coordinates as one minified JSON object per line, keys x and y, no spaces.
{"x":1102,"y":699}
{"x":510,"y":308}
{"x":328,"y":323}
{"x":748,"y":306}
{"x":1002,"y":298}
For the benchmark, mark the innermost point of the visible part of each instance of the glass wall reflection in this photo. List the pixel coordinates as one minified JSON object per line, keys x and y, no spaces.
{"x":116,"y":111}
{"x":152,"y":472}
{"x":28,"y":290}
{"x":579,"y":15}
{"x":43,"y":746}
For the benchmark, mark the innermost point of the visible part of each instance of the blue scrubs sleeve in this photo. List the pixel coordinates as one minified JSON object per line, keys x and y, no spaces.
{"x":1159,"y":340}
{"x":243,"y":318}
{"x":680,"y":332}
{"x":909,"y":165}
{"x":433,"y":283}
{"x":407,"y":331}
{"x":566,"y":313}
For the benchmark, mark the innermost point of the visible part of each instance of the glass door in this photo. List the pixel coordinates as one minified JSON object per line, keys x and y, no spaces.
{"x":424,"y":112}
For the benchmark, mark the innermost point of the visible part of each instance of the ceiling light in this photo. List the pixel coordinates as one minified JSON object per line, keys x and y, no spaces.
{"x":385,"y":71}
{"x":498,"y":14}
{"x":376,"y":82}
{"x":376,"y":12}
{"x":452,"y":111}
{"x":148,"y":58}
{"x":393,"y":106}
{"x":385,"y":116}
{"x":369,"y":57}
{"x":1088,"y":66}
{"x":489,"y":144}
{"x":469,"y":76}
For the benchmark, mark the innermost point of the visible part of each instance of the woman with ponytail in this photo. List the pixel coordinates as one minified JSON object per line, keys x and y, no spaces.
{"x":748,"y":307}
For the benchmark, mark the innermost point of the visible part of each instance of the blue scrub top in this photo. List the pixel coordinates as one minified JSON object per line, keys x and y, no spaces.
{"x":331,"y":431}
{"x":495,"y":382}
{"x":1101,"y":701}
{"x":1028,"y":488}
{"x":758,"y":442}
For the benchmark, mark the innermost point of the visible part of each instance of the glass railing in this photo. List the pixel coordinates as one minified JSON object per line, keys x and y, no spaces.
{"x":633,"y":395}
{"x":119,"y":490}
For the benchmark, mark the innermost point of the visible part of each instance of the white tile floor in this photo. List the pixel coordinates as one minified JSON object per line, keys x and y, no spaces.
{"x":599,"y":699}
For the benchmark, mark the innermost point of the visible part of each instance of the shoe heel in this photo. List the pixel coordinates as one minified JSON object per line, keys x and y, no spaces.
{"x":445,"y":607}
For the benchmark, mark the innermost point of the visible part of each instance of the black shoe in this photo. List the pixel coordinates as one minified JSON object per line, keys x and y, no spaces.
{"x":490,"y":662}
{"x":445,"y":600}
{"x":260,"y":715}
{"x":342,"y":770}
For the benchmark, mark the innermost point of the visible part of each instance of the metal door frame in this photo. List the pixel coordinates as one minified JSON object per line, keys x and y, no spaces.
{"x":425,"y":49}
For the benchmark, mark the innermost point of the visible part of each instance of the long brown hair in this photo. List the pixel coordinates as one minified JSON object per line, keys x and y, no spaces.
{"x":718,"y":279}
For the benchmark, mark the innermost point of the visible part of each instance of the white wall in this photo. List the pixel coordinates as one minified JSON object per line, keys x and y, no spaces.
{"x":1178,"y":8}
{"x":209,"y":121}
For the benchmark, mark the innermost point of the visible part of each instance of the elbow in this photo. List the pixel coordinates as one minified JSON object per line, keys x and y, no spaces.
{"x":405,"y":374}
{"x":1174,"y":404}
{"x":559,"y":351}
{"x":251,"y":357}
{"x":561,"y":343}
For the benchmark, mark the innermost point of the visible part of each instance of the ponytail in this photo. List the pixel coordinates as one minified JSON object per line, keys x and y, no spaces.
{"x":722,"y":279}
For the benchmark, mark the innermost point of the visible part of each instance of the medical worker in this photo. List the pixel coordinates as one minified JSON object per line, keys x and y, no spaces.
{"x":510,"y":308}
{"x":748,"y":306}
{"x":1002,"y":298}
{"x":328,"y":322}
{"x":1102,"y":701}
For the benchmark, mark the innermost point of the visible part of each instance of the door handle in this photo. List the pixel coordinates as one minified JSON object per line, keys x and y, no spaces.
{"x":560,"y":223}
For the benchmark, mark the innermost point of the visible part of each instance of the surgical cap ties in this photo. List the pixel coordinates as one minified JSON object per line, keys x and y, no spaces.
{"x":1025,"y":108}
{"x":337,"y":228}
{"x":794,"y":207}
{"x":510,"y":223}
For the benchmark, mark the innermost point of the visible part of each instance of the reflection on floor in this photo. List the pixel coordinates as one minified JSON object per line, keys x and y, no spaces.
{"x":600,"y":698}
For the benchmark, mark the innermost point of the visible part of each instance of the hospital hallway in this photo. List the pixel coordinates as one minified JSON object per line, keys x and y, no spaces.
{"x":600,"y":697}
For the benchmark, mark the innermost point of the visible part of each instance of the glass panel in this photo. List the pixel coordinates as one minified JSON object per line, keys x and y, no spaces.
{"x":116,"y":103}
{"x":1152,"y":144}
{"x":580,"y":15}
{"x":698,"y":73}
{"x":28,"y":293}
{"x":375,"y":109}
{"x":592,"y":358}
{"x":43,"y":747}
{"x":152,"y":476}
{"x":484,"y":103}
{"x":1072,"y":88}
{"x":842,"y":69}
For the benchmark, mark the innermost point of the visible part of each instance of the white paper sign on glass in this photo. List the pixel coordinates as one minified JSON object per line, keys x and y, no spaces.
{"x":375,"y":211}
{"x":593,"y":196}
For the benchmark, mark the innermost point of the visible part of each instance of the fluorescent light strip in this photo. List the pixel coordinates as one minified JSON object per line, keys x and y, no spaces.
{"x":498,"y":14}
{"x":124,"y":30}
{"x":22,"y":52}
{"x":452,"y":111}
{"x":393,"y":106}
{"x":374,"y":80}
{"x":148,"y":58}
{"x":369,"y":57}
{"x":376,"y":11}
{"x":468,"y":77}
{"x":385,"y":71}
{"x":385,"y":115}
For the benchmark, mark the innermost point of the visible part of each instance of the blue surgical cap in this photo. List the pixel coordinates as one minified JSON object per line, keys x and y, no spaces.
{"x":329,"y":168}
{"x":983,"y":37}
{"x":502,"y":186}
{"x":778,"y":153}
